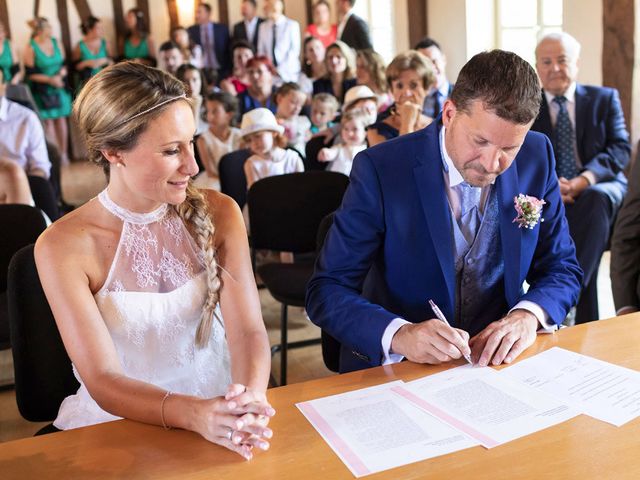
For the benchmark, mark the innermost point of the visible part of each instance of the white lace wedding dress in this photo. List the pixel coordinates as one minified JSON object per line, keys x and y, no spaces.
{"x":151,"y":303}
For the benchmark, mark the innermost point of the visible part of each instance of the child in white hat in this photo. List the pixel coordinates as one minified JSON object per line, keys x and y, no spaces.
{"x":265,"y":139}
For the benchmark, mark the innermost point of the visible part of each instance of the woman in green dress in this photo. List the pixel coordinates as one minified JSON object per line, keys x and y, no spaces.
{"x":46,"y":74}
{"x":138,"y":44}
{"x":93,"y":52}
{"x":9,"y":60}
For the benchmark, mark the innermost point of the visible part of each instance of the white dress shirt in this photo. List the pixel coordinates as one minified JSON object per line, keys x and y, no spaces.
{"x":343,"y":22}
{"x":452,"y":178}
{"x":250,"y":27}
{"x":22,"y":138}
{"x":554,"y":108}
{"x":287,"y":48}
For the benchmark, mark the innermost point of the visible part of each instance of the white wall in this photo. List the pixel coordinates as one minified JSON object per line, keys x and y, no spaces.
{"x":583,"y":20}
{"x":447,"y":25}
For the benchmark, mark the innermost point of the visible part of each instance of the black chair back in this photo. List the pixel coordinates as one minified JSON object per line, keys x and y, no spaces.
{"x":233,"y":181}
{"x":43,"y":373}
{"x":330,"y":346}
{"x":286,"y":210}
{"x":44,"y":196}
{"x":312,"y":149}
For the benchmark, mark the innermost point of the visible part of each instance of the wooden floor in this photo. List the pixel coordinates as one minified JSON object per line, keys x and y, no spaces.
{"x":82,"y":181}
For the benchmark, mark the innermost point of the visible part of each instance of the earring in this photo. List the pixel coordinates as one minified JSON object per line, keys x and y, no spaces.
{"x":119,"y":164}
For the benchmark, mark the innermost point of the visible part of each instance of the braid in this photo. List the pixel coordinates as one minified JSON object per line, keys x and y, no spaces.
{"x":194,"y":212}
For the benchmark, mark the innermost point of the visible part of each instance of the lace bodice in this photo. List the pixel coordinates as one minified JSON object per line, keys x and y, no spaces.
{"x":151,"y":303}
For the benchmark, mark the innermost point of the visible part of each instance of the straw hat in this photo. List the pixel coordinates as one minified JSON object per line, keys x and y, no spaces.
{"x":259,"y":120}
{"x":359,"y":92}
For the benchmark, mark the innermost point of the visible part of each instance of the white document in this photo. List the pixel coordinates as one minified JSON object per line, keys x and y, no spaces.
{"x":600,"y":389}
{"x":485,"y":405}
{"x":373,"y":429}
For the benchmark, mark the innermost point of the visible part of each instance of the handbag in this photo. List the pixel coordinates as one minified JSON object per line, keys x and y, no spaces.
{"x":50,"y":99}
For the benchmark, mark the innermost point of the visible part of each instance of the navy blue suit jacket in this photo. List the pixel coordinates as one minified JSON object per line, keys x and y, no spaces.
{"x":220,"y":45}
{"x":394,"y":228}
{"x":601,"y":135}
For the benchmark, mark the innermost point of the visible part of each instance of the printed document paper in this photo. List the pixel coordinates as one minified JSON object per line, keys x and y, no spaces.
{"x":373,"y":429}
{"x":600,"y":389}
{"x":485,"y":405}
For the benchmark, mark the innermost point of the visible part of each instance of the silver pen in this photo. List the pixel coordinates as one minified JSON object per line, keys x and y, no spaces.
{"x":441,"y":317}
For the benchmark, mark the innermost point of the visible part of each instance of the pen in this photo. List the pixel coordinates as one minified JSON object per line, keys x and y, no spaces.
{"x":441,"y":317}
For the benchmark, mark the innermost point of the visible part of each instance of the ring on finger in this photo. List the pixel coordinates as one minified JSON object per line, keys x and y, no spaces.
{"x":230,"y":434}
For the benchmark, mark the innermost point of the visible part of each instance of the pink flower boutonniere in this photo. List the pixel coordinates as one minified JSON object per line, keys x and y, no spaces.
{"x":529,"y":211}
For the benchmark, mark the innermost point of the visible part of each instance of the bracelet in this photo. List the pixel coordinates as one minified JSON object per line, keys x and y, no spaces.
{"x":164,"y":424}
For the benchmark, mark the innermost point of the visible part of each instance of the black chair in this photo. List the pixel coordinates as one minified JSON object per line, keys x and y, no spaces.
{"x":233,"y":181}
{"x":21,"y":225}
{"x":312,"y":149}
{"x":330,"y":346}
{"x":43,"y":372}
{"x":44,"y":196}
{"x":285,"y":212}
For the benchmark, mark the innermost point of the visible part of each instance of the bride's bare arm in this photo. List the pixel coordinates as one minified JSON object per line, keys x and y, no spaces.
{"x":66,"y":259}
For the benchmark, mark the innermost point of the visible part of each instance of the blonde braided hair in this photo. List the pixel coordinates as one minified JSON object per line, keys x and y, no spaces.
{"x":194,"y":211}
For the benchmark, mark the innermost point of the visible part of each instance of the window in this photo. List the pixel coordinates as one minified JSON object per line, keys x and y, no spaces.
{"x":380,"y":17}
{"x":520,"y":23}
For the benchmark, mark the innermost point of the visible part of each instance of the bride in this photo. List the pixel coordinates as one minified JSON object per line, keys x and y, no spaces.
{"x":150,"y":283}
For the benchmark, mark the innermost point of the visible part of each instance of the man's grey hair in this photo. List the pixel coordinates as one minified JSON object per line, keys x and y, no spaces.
{"x":570,"y":44}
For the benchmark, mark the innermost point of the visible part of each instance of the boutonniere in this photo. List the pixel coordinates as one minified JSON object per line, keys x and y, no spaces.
{"x":529,"y":211}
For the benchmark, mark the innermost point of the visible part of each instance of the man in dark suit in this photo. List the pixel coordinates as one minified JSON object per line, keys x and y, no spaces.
{"x":432,"y":215}
{"x":442,"y":90}
{"x":591,"y":144}
{"x":352,"y":29}
{"x":214,"y":40}
{"x":247,"y":29}
{"x":625,"y":250}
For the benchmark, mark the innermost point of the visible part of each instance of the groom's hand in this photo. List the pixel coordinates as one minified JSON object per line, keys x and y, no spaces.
{"x":505,"y":339}
{"x":431,"y":341}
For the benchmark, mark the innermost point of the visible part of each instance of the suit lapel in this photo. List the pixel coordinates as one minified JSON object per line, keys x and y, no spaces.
{"x":435,"y":207}
{"x":582,"y":101}
{"x":544,"y":119}
{"x":510,"y":235}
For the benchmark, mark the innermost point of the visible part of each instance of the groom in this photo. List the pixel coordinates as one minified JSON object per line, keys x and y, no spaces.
{"x":430,"y":215}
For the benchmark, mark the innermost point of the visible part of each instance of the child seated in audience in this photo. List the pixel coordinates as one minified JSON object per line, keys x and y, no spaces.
{"x":289,"y":99}
{"x":324,"y":107}
{"x":219,"y":139}
{"x":353,"y":137}
{"x":266,"y":140}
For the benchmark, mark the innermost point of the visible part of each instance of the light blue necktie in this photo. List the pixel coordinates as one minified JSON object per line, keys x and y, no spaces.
{"x":469,"y":221}
{"x":564,"y":137}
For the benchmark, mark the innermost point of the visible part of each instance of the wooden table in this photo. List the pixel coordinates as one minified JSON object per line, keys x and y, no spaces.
{"x":582,"y":448}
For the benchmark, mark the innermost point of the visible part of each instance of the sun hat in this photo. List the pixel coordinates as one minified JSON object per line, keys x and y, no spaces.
{"x":259,"y":120}
{"x":359,"y":92}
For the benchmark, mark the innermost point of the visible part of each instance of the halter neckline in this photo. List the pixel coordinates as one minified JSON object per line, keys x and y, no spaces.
{"x":129,"y":216}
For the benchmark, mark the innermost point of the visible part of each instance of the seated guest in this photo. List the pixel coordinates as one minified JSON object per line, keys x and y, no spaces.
{"x":279,"y":41}
{"x":322,"y":28}
{"x":267,"y":142}
{"x":93,"y":52}
{"x":260,"y":91}
{"x":138,"y":44}
{"x":289,"y":100}
{"x":370,"y":72}
{"x":170,"y":57}
{"x":247,"y":29}
{"x":191,"y":52}
{"x":340,"y":75}
{"x":625,"y":250}
{"x":238,"y":81}
{"x":591,"y":144}
{"x":167,"y":330}
{"x":431,"y":216}
{"x":410,"y":76}
{"x":9,"y":59}
{"x":14,"y":185}
{"x":442,"y":89}
{"x":352,"y":29}
{"x":219,"y":139}
{"x":194,"y":85}
{"x":213,"y":38}
{"x":324,"y":108}
{"x":313,"y":65}
{"x":353,"y":140}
